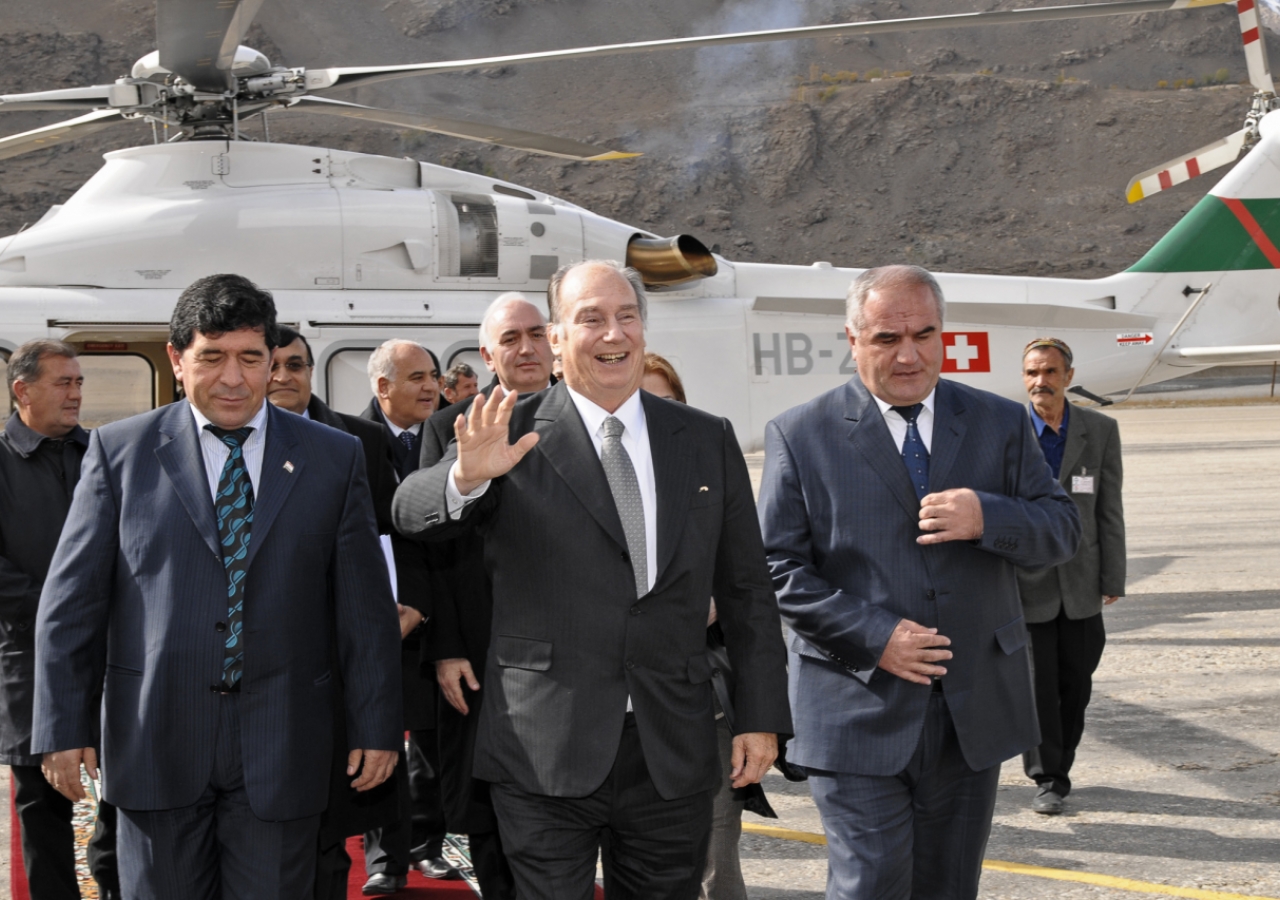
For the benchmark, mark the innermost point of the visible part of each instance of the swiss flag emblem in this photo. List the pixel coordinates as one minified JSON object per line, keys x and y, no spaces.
{"x":965,"y":351}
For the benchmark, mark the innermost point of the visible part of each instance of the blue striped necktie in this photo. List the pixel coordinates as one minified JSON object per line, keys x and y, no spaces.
{"x":234,"y":506}
{"x":914,"y":453}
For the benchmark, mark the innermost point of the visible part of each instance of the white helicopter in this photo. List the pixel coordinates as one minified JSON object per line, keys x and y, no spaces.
{"x":358,"y":248}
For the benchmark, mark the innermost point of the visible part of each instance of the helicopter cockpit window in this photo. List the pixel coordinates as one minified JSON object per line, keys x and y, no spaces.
{"x":469,"y":237}
{"x":116,"y":386}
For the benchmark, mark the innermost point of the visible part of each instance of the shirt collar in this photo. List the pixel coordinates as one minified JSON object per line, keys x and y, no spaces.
{"x":257,"y":423}
{"x":396,"y":430}
{"x":25,"y":440}
{"x":1040,"y":424}
{"x":630,"y":413}
{"x":927,"y":401}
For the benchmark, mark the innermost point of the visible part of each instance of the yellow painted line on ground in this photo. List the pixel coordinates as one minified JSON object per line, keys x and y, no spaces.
{"x":992,"y":865}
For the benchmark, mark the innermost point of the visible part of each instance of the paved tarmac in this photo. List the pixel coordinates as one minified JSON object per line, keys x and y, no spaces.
{"x":1177,"y":782}
{"x":1178,"y":779}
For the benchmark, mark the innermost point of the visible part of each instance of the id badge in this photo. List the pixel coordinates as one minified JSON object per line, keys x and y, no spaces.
{"x":1082,"y":484}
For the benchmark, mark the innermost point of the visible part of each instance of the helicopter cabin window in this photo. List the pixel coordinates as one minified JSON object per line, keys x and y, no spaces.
{"x":468,"y":229}
{"x":116,"y":386}
{"x":347,"y":375}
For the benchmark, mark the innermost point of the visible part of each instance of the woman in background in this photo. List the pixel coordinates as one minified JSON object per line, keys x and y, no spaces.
{"x":722,"y":877}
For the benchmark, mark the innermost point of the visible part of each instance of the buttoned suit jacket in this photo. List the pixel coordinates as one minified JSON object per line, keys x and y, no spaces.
{"x":840,"y":522}
{"x":349,"y":811}
{"x":571,"y":642}
{"x":413,"y":588}
{"x":377,"y":456}
{"x":137,"y":589}
{"x":1098,"y":568}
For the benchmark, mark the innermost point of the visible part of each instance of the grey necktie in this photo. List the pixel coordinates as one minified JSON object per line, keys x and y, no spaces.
{"x":626,"y":496}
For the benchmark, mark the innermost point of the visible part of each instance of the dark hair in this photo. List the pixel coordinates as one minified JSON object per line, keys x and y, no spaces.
{"x":287,"y":336}
{"x":456,"y":373}
{"x":217,"y":304}
{"x":24,"y":364}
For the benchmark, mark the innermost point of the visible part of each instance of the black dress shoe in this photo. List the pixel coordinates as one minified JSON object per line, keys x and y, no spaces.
{"x":381,"y":884}
{"x":1048,"y":802}
{"x":436,"y":868}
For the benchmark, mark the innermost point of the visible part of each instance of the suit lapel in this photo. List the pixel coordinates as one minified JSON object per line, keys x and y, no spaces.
{"x":180,"y":457}
{"x":564,"y":443}
{"x":275,"y":482}
{"x":871,"y":437}
{"x":948,"y":434}
{"x":1077,"y":438}
{"x":673,"y":467}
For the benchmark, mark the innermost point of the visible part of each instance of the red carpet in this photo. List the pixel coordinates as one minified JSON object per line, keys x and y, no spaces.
{"x":419,"y":888}
{"x":17,"y":872}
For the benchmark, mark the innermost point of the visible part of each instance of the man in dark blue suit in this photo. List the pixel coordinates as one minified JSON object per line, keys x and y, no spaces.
{"x":214,"y":552}
{"x":896,"y":510}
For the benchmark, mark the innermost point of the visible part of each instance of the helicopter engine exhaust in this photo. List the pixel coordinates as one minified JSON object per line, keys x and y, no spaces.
{"x":668,"y":261}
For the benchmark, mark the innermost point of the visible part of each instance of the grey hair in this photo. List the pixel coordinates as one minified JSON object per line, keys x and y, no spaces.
{"x":631,"y":275}
{"x":24,"y":364}
{"x":888,"y":277}
{"x":382,"y":363}
{"x":501,"y":302}
{"x":456,"y":374}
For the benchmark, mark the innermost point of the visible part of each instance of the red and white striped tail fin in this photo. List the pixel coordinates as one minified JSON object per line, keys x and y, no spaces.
{"x":1255,"y":51}
{"x":1184,"y":168}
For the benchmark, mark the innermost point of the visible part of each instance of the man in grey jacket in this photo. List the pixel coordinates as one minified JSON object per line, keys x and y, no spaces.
{"x":1063,"y":605}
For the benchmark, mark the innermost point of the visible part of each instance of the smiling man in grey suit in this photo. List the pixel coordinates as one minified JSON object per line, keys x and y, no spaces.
{"x":214,"y":551}
{"x":608,"y":525}
{"x":895,"y":510}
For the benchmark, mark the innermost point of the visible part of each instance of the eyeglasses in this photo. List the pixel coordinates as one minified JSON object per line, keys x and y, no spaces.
{"x":294,"y":365}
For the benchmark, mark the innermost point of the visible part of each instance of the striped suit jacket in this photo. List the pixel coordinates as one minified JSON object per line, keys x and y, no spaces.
{"x":137,"y":590}
{"x":840,"y":522}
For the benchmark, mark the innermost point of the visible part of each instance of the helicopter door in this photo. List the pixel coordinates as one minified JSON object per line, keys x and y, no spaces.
{"x":122,"y":378}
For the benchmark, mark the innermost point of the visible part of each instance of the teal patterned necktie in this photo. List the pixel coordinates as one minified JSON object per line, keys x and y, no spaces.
{"x":234,"y":506}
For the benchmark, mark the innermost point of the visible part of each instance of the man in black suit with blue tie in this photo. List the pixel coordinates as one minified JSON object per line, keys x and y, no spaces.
{"x":182,"y":580}
{"x":896,"y":510}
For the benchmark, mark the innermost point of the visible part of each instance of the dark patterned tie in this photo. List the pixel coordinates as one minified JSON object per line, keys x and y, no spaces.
{"x":626,"y":496}
{"x":409,"y":462}
{"x":234,"y":506}
{"x":914,"y":453}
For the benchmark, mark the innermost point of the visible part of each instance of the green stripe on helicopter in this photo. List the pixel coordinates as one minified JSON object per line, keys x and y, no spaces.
{"x":1219,"y":234}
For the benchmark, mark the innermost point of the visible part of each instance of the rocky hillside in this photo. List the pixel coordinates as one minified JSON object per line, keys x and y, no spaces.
{"x":995,"y":149}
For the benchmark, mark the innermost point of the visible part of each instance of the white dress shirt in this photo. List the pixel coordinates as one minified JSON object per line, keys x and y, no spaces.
{"x":216,"y":452}
{"x":635,"y":440}
{"x":898,"y":425}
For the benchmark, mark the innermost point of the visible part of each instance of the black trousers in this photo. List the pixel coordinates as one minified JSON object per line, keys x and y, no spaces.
{"x":217,"y":849}
{"x":489,"y":863}
{"x":652,"y":849}
{"x":48,"y":839}
{"x":1065,"y":653}
{"x":393,"y":849}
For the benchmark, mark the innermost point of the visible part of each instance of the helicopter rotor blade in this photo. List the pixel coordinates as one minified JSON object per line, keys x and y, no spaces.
{"x":1255,"y":51}
{"x":197,"y":39}
{"x":1184,"y":168}
{"x":70,"y":130}
{"x":68,"y":99}
{"x":351,"y":76}
{"x":529,"y":141}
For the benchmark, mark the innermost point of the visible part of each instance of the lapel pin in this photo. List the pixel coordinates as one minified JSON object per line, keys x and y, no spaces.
{"x":288,"y":467}
{"x":704,"y":489}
